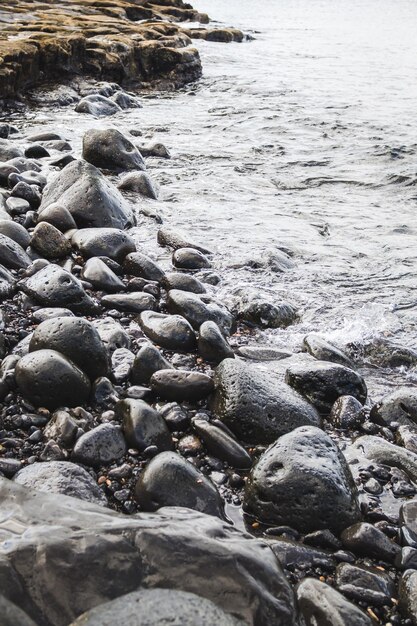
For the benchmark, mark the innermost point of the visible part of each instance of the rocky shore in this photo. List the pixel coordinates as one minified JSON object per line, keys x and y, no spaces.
{"x":158,"y":465}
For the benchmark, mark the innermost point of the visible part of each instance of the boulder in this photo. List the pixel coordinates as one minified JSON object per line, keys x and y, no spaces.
{"x":108,"y":242}
{"x":110,"y":150}
{"x":97,"y":105}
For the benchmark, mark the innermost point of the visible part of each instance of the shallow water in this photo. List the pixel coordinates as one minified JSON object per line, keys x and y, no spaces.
{"x":302,"y":139}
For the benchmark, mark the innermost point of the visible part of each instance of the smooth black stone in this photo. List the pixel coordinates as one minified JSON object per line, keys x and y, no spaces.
{"x":347,"y":413}
{"x":139,"y":182}
{"x":17,"y":206}
{"x":100,"y":446}
{"x":221,"y":445}
{"x":363,"y":584}
{"x":184,"y":282}
{"x":15,"y":231}
{"x":297,"y":556}
{"x":134,"y":302}
{"x":112,"y":334}
{"x":323,"y":539}
{"x":212,"y":345}
{"x":143,"y":426}
{"x":170,"y":238}
{"x":36,"y":151}
{"x":111,"y":242}
{"x":100,"y":276}
{"x":97,"y":105}
{"x":255,"y":308}
{"x":172,"y":332}
{"x":147,"y":361}
{"x":26,"y":192}
{"x":190,"y":259}
{"x":196,"y":311}
{"x":50,"y":242}
{"x":9,"y":467}
{"x":110,"y":150}
{"x":62,"y":428}
{"x":363,"y":539}
{"x":175,"y":416}
{"x":142,"y":266}
{"x":12,"y":255}
{"x":179,"y":385}
{"x":58,"y":216}
{"x":262,"y":353}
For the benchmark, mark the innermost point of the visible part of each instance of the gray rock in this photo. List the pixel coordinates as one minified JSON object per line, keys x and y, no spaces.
{"x":112,"y":334}
{"x":347,"y":413}
{"x":17,"y":206}
{"x":29,"y":193}
{"x":7,"y":283}
{"x":77,"y":339}
{"x":61,"y":477}
{"x":212,"y":346}
{"x":110,"y":150}
{"x":62,"y":428}
{"x":179,"y":385}
{"x":54,"y":287}
{"x":190,"y":259}
{"x":100,"y":446}
{"x":407,"y":595}
{"x":170,"y":480}
{"x":363,"y":539}
{"x":122,"y":362}
{"x":322,"y":383}
{"x":182,"y":281}
{"x":325,"y":351}
{"x":364,"y":584}
{"x":15,"y":231}
{"x":48,"y":313}
{"x":172,"y":332}
{"x":50,"y":242}
{"x":139,"y":182}
{"x":155,"y":149}
{"x":262,"y":353}
{"x":100,"y":276}
{"x":109,"y":242}
{"x":126,"y":101}
{"x":12,"y":255}
{"x":251,"y":306}
{"x":381,"y":451}
{"x":89,"y":197}
{"x":199,"y":309}
{"x":221,"y":445}
{"x":9,"y":467}
{"x":134,"y":302}
{"x":143,"y":426}
{"x":138,"y":264}
{"x":294,"y":555}
{"x":147,"y":361}
{"x":97,"y":105}
{"x":29,"y":177}
{"x":399,"y":406}
{"x":9,"y":150}
{"x":169,"y":238}
{"x":12,"y":615}
{"x":58,"y":216}
{"x":408,"y":522}
{"x":48,"y":379}
{"x":255,"y":405}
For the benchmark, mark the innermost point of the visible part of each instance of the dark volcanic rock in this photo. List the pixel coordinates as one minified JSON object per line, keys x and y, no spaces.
{"x":383,"y":452}
{"x":172,"y":332}
{"x":89,"y":197}
{"x":58,"y":216}
{"x":364,"y":584}
{"x":196,"y":311}
{"x":15,"y":231}
{"x":322,"y":383}
{"x":100,"y":446}
{"x":408,"y":595}
{"x":110,"y":150}
{"x":182,"y":281}
{"x":325,"y":351}
{"x":48,"y":379}
{"x":12,"y":254}
{"x":78,"y":555}
{"x":252,"y":306}
{"x":12,"y":615}
{"x":179,"y":385}
{"x":363,"y":539}
{"x":109,"y":242}
{"x":147,"y":361}
{"x":61,"y":477}
{"x":221,"y":445}
{"x":97,"y":105}
{"x":139,"y":182}
{"x":190,"y":259}
{"x":212,"y":346}
{"x":170,"y":480}
{"x":347,"y":413}
{"x":50,"y":242}
{"x":100,"y":276}
{"x":173,"y":239}
{"x":256,"y":406}
{"x":138,"y":264}
{"x":399,"y":406}
{"x":134,"y":302}
{"x":77,"y":339}
{"x":112,"y":334}
{"x":303,"y":481}
{"x":62,"y":428}
{"x":143,"y":426}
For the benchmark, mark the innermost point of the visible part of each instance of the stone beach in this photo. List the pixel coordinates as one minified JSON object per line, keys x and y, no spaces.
{"x":157,"y":465}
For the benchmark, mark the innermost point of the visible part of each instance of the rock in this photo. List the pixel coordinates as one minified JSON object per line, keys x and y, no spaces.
{"x":112,"y":334}
{"x":323,"y":539}
{"x":172,"y":332}
{"x":381,"y":451}
{"x":12,"y":615}
{"x":363,"y":539}
{"x":126,"y":101}
{"x":9,"y":467}
{"x":399,"y":406}
{"x":407,"y":595}
{"x":12,"y":254}
{"x":62,"y":428}
{"x":408,"y":521}
{"x":77,"y":339}
{"x":8,"y":150}
{"x":48,"y":313}
{"x":134,"y":302}
{"x":325,"y":351}
{"x":197,"y":311}
{"x":61,"y":477}
{"x":122,"y":362}
{"x":50,"y":242}
{"x":109,"y":242}
{"x":255,"y":405}
{"x":36,"y":151}
{"x":137,"y":264}
{"x":175,"y":416}
{"x":147,"y":361}
{"x":347,"y":413}
{"x":100,"y":446}
{"x":297,"y":556}
{"x":143,"y":426}
{"x":262,"y":353}
{"x":184,"y":282}
{"x":97,"y":105}
{"x":364,"y":584}
{"x":170,"y":480}
{"x":54,"y":287}
{"x":92,"y":201}
{"x":322,"y":383}
{"x":221,"y":445}
{"x":106,"y":555}
{"x":139,"y":182}
{"x":48,"y":379}
{"x":5,"y":170}
{"x":17,"y":206}
{"x":15,"y":231}
{"x":323,"y":606}
{"x":100,"y":276}
{"x":170,"y":238}
{"x":29,"y":193}
{"x":251,"y":306}
{"x":406,"y":436}
{"x":32,"y":178}
{"x":154,"y":149}
{"x":212,"y":346}
{"x":58,"y":216}
{"x":303,"y":481}
{"x":190,"y":259}
{"x":110,"y":150}
{"x":179,"y":385}
{"x":158,"y":607}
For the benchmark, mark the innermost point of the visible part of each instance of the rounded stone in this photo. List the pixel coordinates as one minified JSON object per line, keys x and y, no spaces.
{"x":399,"y":406}
{"x":143,"y":426}
{"x":172,"y":332}
{"x":347,"y":413}
{"x":179,"y":385}
{"x":212,"y":345}
{"x":190,"y":259}
{"x":147,"y":361}
{"x":50,"y":242}
{"x":139,"y":182}
{"x":12,"y":254}
{"x":183,"y":282}
{"x":15,"y":231}
{"x":134,"y":302}
{"x":197,"y":311}
{"x":100,"y":446}
{"x":97,"y":105}
{"x":110,"y":150}
{"x":142,"y":266}
{"x":100,"y":276}
{"x":325,"y":351}
{"x":58,"y":216}
{"x":221,"y":445}
{"x":107,"y":242}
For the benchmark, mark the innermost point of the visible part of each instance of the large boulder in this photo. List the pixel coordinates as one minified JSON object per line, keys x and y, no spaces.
{"x":303,"y":481}
{"x":89,"y":197}
{"x":255,"y":405}
{"x":69,"y":557}
{"x":110,"y":150}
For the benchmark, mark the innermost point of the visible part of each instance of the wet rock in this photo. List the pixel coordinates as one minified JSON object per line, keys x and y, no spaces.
{"x":364,"y":584}
{"x":29,"y":177}
{"x":381,"y":451}
{"x":251,"y":306}
{"x":50,"y":242}
{"x":406,"y":436}
{"x":61,"y":477}
{"x":363,"y":539}
{"x":15,"y":231}
{"x":100,"y":446}
{"x":12,"y":615}
{"x":293,"y":555}
{"x":322,"y":383}
{"x":323,"y":539}
{"x":179,"y":385}
{"x":126,"y":101}
{"x":110,"y":150}
{"x":321,"y":605}
{"x":36,"y":151}
{"x":109,"y":242}
{"x":157,"y":607}
{"x":92,"y":201}
{"x":97,"y":105}
{"x":325,"y":351}
{"x":77,"y":339}
{"x":29,"y":193}
{"x":197,"y":311}
{"x":255,"y":405}
{"x":100,"y":276}
{"x":122,"y":362}
{"x":221,"y":445}
{"x":112,"y":334}
{"x":147,"y":361}
{"x":48,"y":379}
{"x":139,"y":182}
{"x":170,"y":238}
{"x":138,"y":264}
{"x":134,"y":302}
{"x":155,"y":149}
{"x":172,"y":332}
{"x":175,"y":416}
{"x":303,"y":481}
{"x":54,"y":287}
{"x":9,"y":467}
{"x":9,"y":150}
{"x":182,"y":281}
{"x":190,"y":259}
{"x":170,"y":480}
{"x":17,"y":206}
{"x":58,"y":216}
{"x":12,"y":255}
{"x":212,"y":346}
{"x":262,"y":353}
{"x":47,"y":313}
{"x":5,"y":170}
{"x":347,"y":413}
{"x":407,"y":595}
{"x":62,"y":428}
{"x":399,"y":406}
{"x":143,"y":426}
